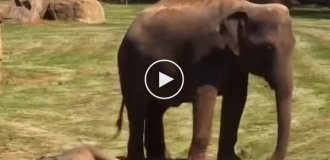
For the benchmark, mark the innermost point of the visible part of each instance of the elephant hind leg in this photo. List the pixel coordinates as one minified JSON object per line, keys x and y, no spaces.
{"x":154,"y":132}
{"x":136,"y":116}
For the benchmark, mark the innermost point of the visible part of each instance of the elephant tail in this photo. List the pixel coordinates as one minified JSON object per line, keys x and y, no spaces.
{"x":119,"y":122}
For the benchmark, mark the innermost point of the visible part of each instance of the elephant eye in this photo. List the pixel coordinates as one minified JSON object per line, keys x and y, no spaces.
{"x":269,"y":47}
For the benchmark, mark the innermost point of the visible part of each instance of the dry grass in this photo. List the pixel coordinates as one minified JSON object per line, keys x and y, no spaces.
{"x":61,"y":90}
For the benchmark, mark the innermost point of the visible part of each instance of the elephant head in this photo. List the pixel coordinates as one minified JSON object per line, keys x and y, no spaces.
{"x":261,"y":38}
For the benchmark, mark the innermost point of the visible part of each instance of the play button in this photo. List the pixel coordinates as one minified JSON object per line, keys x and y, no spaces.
{"x":164,"y":79}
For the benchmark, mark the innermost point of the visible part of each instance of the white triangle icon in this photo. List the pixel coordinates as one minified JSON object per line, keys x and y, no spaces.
{"x":163,"y":79}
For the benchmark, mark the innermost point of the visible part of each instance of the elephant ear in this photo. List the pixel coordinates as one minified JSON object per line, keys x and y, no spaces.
{"x":233,"y":30}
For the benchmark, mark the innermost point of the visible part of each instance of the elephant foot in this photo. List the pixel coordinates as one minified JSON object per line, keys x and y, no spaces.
{"x":275,"y":157}
{"x":156,"y":158}
{"x":121,"y":158}
{"x":201,"y":156}
{"x":230,"y":157}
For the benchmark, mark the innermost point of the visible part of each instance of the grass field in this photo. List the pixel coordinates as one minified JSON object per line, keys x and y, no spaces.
{"x":61,"y":90}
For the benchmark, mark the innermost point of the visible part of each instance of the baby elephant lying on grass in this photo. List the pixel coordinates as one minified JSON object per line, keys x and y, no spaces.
{"x":85,"y":152}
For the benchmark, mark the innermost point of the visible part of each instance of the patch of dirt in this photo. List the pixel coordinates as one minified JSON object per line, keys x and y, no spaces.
{"x":40,"y":79}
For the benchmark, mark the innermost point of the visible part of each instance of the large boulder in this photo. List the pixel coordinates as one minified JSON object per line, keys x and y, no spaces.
{"x":87,"y":11}
{"x":17,"y":11}
{"x":33,"y":11}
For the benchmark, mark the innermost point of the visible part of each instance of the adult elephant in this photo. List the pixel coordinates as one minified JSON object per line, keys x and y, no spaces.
{"x":217,"y":43}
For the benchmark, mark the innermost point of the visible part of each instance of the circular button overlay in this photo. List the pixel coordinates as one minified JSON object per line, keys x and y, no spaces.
{"x":164,"y":79}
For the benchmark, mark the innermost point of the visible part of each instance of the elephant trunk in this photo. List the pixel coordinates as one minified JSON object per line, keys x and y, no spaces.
{"x":284,"y":120}
{"x":283,"y":87}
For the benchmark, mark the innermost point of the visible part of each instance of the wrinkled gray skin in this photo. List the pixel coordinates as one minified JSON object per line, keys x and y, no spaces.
{"x":217,"y":43}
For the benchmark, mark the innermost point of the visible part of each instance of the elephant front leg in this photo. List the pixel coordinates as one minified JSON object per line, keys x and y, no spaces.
{"x":203,"y":108}
{"x":233,"y":103}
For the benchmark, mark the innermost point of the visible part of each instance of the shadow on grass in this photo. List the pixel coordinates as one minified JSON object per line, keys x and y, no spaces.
{"x":312,"y":13}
